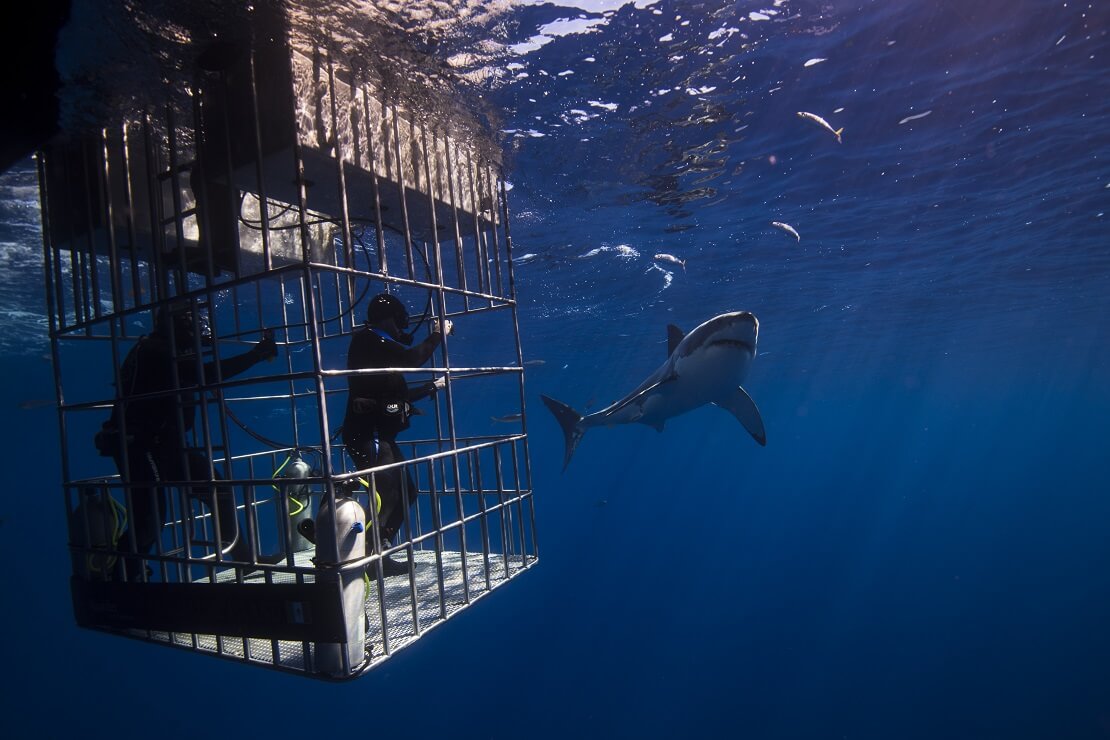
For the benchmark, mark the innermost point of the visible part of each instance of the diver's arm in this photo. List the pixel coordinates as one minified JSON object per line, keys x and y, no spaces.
{"x":421,"y":353}
{"x":423,"y":390}
{"x":232,"y":366}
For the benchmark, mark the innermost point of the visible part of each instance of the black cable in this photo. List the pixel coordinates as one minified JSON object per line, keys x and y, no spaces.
{"x":279,"y":445}
{"x":258,"y":224}
{"x":365,"y":290}
{"x":366,"y":252}
{"x":285,"y":208}
{"x":264,"y":440}
{"x":428,"y":305}
{"x":289,"y":206}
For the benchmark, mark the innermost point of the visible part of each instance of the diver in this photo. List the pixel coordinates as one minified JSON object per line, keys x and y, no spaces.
{"x":156,"y":408}
{"x":379,"y":406}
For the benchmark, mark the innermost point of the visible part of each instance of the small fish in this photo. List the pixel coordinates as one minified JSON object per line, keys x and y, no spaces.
{"x":917,"y":117}
{"x":534,"y":363}
{"x":672,"y":259}
{"x":822,"y":123}
{"x":506,"y":419}
{"x":35,"y":403}
{"x":788,"y":229}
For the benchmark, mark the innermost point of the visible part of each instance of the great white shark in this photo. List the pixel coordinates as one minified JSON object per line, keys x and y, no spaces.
{"x":705,"y":366}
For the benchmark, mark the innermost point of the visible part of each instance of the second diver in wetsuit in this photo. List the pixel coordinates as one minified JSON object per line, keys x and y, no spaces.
{"x":157,"y":404}
{"x":379,"y":406}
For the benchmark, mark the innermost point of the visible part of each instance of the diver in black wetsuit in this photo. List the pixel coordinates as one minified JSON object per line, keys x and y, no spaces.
{"x":379,"y":406}
{"x":157,"y":437}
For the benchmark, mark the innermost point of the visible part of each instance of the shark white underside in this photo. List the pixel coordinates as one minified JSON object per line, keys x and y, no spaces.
{"x":705,"y":366}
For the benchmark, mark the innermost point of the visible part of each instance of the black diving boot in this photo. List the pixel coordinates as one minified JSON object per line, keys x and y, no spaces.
{"x":391,"y":567}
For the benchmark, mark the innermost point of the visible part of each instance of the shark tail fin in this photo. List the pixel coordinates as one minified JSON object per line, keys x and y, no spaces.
{"x":568,"y":419}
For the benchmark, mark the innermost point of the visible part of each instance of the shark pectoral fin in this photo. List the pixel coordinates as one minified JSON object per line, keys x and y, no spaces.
{"x":741,"y":405}
{"x":674,"y":336}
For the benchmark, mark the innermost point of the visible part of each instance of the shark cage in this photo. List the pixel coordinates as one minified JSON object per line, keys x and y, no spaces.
{"x":207,"y":266}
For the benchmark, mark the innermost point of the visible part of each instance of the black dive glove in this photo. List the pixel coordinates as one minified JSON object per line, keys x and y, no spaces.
{"x":266,"y":349}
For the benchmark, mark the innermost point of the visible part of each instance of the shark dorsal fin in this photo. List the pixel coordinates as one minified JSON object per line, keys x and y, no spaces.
{"x":674,"y":336}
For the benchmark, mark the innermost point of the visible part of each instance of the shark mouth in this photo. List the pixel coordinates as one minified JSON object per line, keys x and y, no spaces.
{"x":738,"y":343}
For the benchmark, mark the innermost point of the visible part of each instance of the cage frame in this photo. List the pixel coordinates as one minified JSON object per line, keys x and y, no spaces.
{"x":149,"y":224}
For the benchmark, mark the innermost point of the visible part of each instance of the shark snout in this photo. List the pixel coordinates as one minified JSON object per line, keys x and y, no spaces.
{"x":743,"y":320}
{"x":738,"y":326}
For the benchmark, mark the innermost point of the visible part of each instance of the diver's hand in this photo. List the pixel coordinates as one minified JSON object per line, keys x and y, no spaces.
{"x":266,"y":349}
{"x":445,"y":328}
{"x":432,"y":386}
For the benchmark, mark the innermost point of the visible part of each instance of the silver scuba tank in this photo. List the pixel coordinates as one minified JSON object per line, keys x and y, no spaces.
{"x":342,"y":532}
{"x":299,"y":498}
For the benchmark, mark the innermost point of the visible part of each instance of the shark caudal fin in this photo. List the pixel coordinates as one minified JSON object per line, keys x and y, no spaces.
{"x":568,"y":419}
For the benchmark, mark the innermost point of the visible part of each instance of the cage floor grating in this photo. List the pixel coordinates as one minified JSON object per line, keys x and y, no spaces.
{"x":412,"y":606}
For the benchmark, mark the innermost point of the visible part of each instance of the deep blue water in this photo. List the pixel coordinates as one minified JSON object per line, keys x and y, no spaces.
{"x":920,"y":551}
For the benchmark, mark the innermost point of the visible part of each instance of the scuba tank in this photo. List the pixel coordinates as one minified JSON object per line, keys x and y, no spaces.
{"x":292,"y":474}
{"x":342,"y":532}
{"x":95,"y":526}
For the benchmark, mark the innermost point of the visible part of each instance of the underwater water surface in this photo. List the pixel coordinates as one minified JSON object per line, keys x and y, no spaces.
{"x":920,"y":551}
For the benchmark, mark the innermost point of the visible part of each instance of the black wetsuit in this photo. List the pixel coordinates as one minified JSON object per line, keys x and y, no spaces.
{"x":157,"y":448}
{"x":378,"y":409}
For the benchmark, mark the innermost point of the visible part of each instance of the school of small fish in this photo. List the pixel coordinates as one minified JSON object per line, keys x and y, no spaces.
{"x":805,"y":115}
